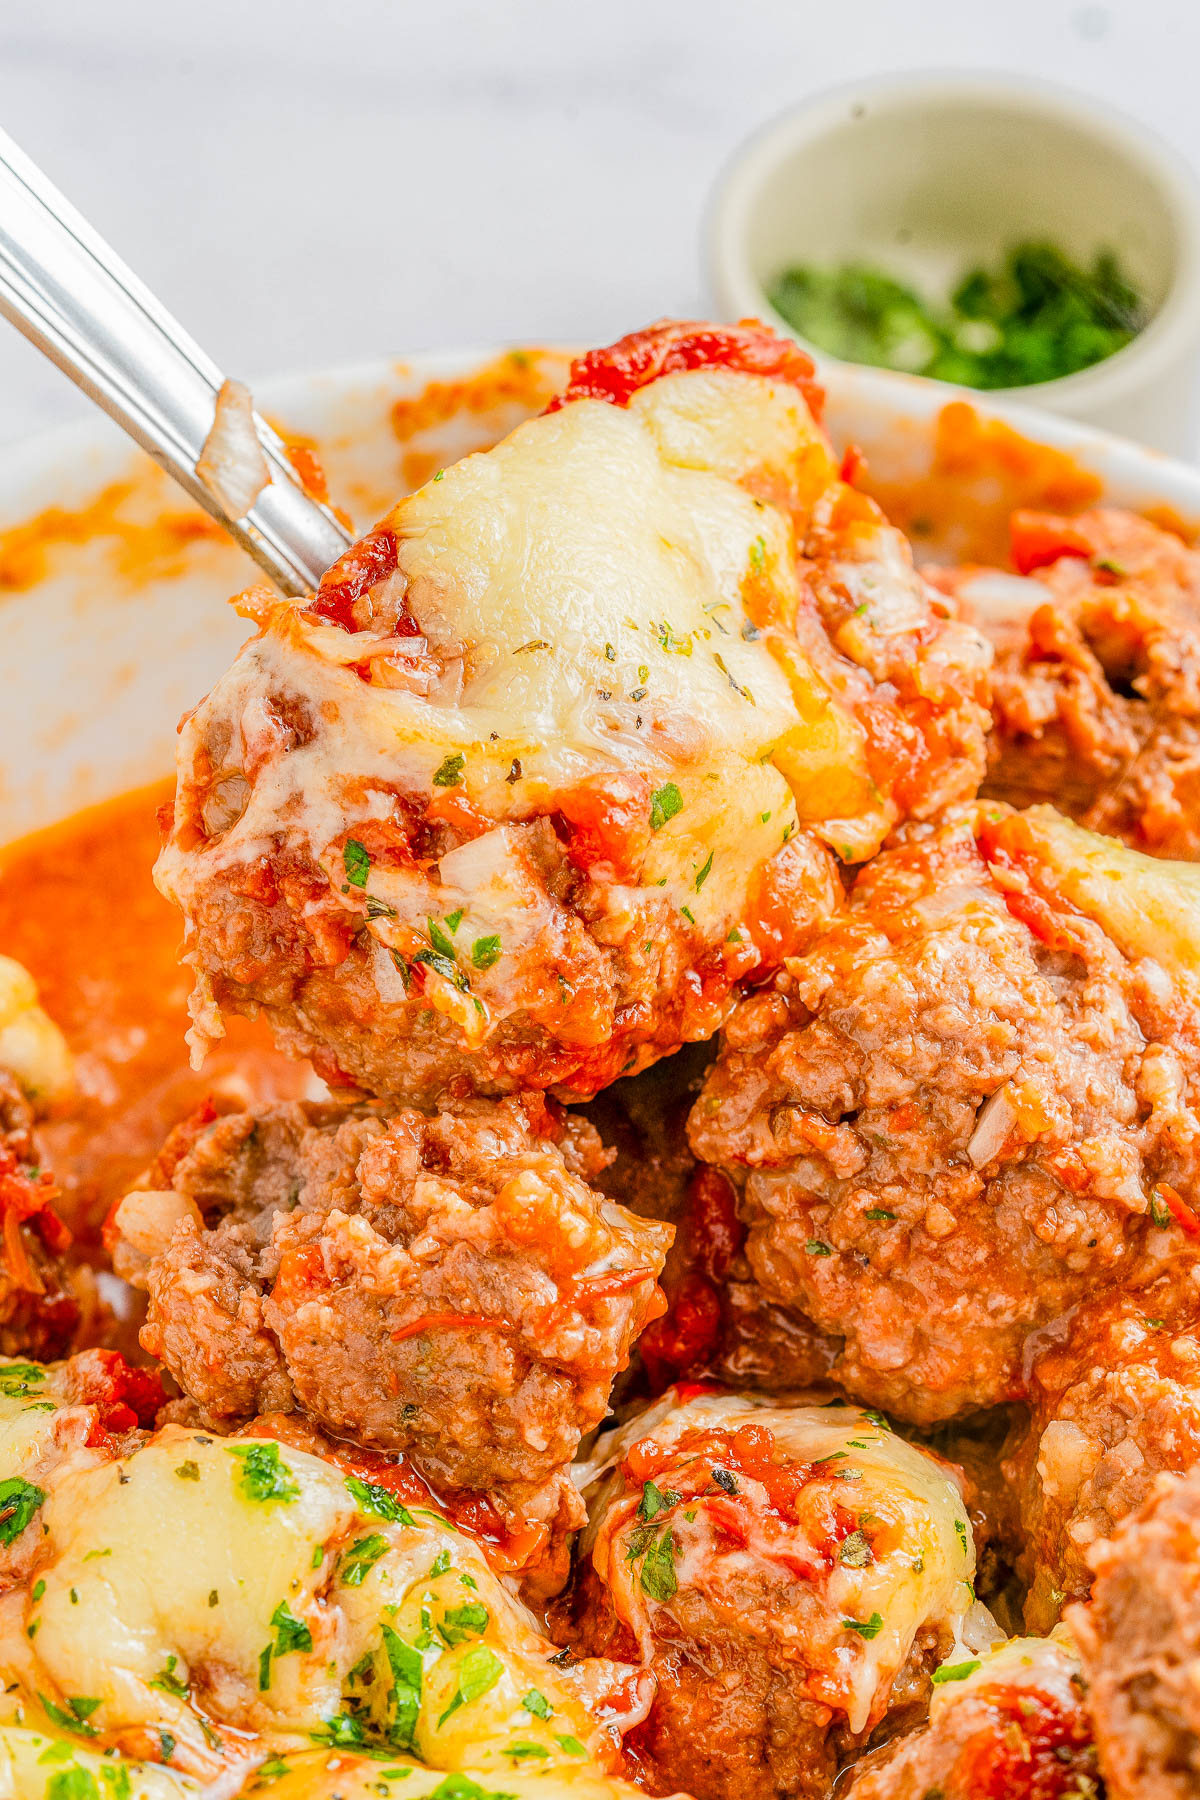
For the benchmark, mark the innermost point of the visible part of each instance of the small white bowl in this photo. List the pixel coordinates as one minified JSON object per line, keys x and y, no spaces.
{"x":926,"y":176}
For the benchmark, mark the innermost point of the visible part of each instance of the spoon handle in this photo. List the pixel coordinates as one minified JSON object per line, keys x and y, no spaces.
{"x":61,"y":286}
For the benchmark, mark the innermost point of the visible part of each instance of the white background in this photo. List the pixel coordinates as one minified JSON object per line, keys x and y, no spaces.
{"x":307,"y":182}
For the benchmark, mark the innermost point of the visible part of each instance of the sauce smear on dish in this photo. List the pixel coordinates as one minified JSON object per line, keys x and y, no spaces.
{"x":79,"y":909}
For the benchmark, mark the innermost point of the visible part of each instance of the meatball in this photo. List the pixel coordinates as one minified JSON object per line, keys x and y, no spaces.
{"x":447,"y":1285}
{"x":967,"y":1106}
{"x":551,"y":761}
{"x":1114,"y":1401}
{"x":1010,"y":1724}
{"x":789,"y":1574}
{"x":1096,"y":694}
{"x":1140,"y":1643}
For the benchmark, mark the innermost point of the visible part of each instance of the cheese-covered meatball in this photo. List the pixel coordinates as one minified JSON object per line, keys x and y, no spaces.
{"x":789,"y":1574}
{"x":970,"y":1105}
{"x":550,"y":762}
{"x":310,"y":1605}
{"x":448,"y":1285}
{"x":1011,"y":1724}
{"x":1114,"y":1400}
{"x":1139,"y":1639}
{"x":1096,"y":692}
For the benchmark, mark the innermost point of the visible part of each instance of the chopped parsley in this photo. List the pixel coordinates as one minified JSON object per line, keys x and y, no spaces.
{"x":19,"y":1500}
{"x":361,"y":1557}
{"x":866,"y":1628}
{"x":479,"y":1670}
{"x":356,"y":863}
{"x":439,"y":940}
{"x":879,"y":1212}
{"x":169,"y":1682}
{"x":665,"y":803}
{"x":80,"y":1784}
{"x":404,"y":1696}
{"x":450,"y":771}
{"x":374,"y":1499}
{"x":76,"y":1719}
{"x":520,"y":1750}
{"x":571,"y":1745}
{"x":485,"y":951}
{"x":955,"y":1671}
{"x":704,"y":874}
{"x":758,"y":554}
{"x":1035,"y":316}
{"x":1158,"y":1211}
{"x":291,"y":1633}
{"x":462,"y":1622}
{"x":444,"y":966}
{"x":188,"y":1471}
{"x":655,"y":1499}
{"x":657,"y":1551}
{"x":264,"y":1474}
{"x":537,"y":1704}
{"x":815,"y":1247}
{"x":17,"y":1379}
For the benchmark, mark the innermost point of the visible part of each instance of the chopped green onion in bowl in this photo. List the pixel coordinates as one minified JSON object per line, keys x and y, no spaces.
{"x":1038,"y":317}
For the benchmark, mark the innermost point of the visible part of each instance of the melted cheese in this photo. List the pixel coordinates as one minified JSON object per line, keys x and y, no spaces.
{"x":920,"y":1568}
{"x":31,"y":1046}
{"x":40,"y":1765}
{"x":176,"y":1599}
{"x":42,"y":1432}
{"x":1149,"y":906}
{"x":1050,"y":1664}
{"x":337,"y":1776}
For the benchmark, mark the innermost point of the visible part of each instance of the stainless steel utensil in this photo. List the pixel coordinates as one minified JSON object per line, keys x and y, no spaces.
{"x":61,"y":286}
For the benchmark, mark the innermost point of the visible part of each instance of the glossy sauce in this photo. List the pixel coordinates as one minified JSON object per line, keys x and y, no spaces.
{"x":79,"y":909}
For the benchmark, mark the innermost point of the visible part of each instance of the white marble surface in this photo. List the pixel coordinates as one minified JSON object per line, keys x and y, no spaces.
{"x":307,"y":182}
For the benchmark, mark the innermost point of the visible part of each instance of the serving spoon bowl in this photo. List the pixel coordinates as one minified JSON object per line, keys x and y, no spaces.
{"x":65,"y":290}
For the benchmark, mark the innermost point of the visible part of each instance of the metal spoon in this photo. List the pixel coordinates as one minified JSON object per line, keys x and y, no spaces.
{"x":61,"y":286}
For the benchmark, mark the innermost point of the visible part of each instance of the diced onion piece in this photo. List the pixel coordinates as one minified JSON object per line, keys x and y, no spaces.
{"x":232,"y":465}
{"x":147,"y":1218}
{"x":993,"y":1122}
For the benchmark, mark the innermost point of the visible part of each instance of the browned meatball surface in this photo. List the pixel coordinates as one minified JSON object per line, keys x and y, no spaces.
{"x":1096,"y":687}
{"x":1016,"y":1727}
{"x":1140,"y":1644}
{"x":957,"y":1115}
{"x":790,"y":1574}
{"x":445,"y":1285}
{"x":1115,"y":1400}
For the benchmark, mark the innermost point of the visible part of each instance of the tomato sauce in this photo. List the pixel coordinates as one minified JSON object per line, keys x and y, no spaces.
{"x":79,"y":909}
